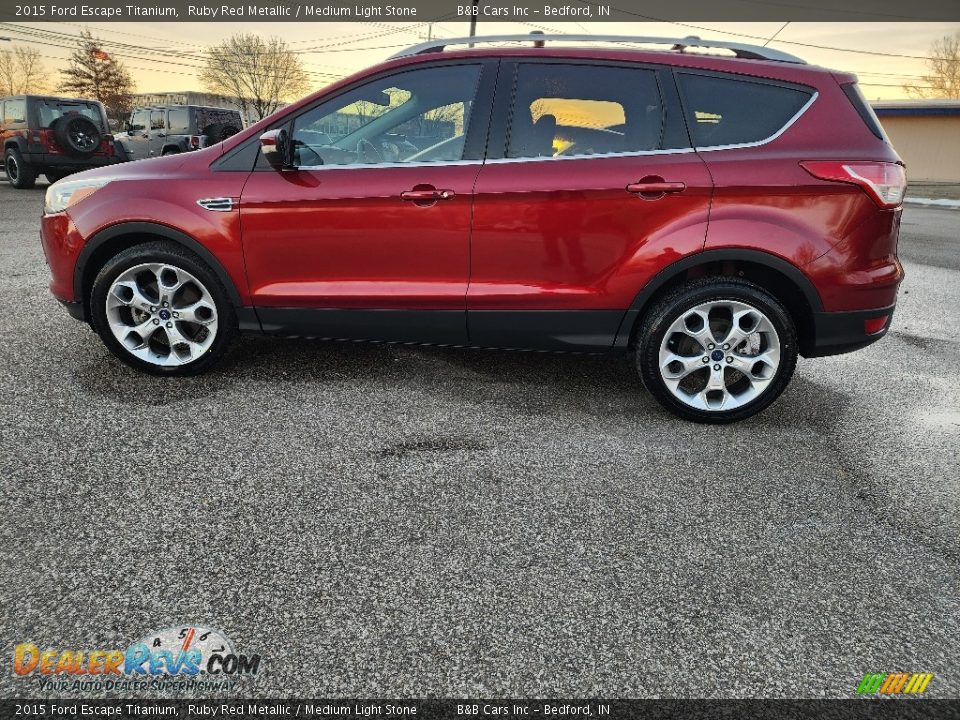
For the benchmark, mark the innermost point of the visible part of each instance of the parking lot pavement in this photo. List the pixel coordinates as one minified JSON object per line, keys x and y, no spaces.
{"x":379,"y":521}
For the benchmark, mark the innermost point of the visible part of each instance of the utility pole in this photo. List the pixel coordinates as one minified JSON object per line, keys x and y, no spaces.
{"x":473,"y":20}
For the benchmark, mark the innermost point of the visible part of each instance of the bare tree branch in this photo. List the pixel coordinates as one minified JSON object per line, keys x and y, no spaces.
{"x":944,"y":64}
{"x":21,"y":72}
{"x":258,"y":74}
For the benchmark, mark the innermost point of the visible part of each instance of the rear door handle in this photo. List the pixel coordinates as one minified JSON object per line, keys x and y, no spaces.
{"x":431,"y":195}
{"x":658,"y":187}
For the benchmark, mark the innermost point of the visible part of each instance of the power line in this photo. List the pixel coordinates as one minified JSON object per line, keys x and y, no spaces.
{"x":50,"y":38}
{"x":650,"y":18}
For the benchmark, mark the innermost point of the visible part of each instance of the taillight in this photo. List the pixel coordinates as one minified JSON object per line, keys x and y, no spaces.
{"x":195,"y":141}
{"x":885,"y":182}
{"x":106,"y":145}
{"x":48,"y":142}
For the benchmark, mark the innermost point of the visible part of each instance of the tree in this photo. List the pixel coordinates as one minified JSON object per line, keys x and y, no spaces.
{"x":944,"y":65}
{"x":21,"y":72}
{"x":92,"y":73}
{"x":258,"y":74}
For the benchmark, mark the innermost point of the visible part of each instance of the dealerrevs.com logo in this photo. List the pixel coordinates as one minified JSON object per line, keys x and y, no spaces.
{"x":177,"y":658}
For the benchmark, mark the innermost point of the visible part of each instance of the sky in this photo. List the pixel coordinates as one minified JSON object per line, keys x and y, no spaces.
{"x":162,"y":57}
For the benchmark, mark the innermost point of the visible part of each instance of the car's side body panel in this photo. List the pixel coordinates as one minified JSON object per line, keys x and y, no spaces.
{"x":566,"y":234}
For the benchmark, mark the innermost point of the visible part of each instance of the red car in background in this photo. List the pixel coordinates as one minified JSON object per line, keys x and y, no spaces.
{"x":714,"y":215}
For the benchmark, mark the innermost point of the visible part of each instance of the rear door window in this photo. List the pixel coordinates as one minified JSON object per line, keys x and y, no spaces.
{"x":733,"y":111}
{"x":572,"y":110}
{"x":179,"y":121}
{"x":157,"y":120}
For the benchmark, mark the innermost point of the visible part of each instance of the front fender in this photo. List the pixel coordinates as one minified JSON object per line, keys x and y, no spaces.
{"x":135,"y":208}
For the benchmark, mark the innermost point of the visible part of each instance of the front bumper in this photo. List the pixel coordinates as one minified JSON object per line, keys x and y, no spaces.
{"x":835,"y":333}
{"x":61,"y":244}
{"x":76,"y":309}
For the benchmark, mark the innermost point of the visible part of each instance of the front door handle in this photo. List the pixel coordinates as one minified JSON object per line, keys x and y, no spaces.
{"x":426,"y":195}
{"x":653,"y":188}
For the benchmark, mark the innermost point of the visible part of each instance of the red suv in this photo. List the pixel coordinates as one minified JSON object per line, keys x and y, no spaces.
{"x":716,"y":216}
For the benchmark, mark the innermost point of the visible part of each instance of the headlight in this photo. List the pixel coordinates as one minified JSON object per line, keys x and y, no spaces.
{"x":63,"y":194}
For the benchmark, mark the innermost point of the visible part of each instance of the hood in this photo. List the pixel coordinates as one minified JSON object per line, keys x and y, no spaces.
{"x":152,"y":168}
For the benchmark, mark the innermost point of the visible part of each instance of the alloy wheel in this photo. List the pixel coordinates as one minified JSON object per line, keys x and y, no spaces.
{"x":719,"y":355}
{"x":161,"y":314}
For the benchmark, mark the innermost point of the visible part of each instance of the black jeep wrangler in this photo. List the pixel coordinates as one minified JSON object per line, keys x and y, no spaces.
{"x":53,"y":136}
{"x":166,"y":129}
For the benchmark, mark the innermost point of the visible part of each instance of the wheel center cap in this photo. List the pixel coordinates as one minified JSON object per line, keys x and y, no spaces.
{"x":716,"y":355}
{"x":164,"y":314}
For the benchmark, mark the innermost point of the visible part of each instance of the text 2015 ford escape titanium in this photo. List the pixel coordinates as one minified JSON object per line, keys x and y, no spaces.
{"x":714,"y":215}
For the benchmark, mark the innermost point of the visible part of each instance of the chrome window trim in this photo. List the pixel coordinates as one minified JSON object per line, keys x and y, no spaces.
{"x":758,"y":143}
{"x":594,"y":156}
{"x":358,"y":166}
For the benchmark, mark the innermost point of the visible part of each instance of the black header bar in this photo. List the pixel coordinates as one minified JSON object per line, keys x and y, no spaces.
{"x":487,"y":11}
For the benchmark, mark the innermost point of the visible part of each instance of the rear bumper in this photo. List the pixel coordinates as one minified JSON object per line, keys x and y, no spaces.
{"x":835,"y":333}
{"x":42,"y":159}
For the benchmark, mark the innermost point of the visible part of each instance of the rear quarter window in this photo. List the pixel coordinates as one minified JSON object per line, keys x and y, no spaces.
{"x":732,"y":111}
{"x":866,"y":113}
{"x":179,"y":121}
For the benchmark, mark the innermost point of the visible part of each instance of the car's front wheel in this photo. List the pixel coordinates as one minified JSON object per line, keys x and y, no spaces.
{"x":717,"y":350}
{"x":160,"y":309}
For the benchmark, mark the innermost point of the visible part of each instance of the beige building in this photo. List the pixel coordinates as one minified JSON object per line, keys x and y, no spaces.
{"x":926,"y":133}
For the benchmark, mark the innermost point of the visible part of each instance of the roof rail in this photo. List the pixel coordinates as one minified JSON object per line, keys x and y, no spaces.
{"x":741,"y":50}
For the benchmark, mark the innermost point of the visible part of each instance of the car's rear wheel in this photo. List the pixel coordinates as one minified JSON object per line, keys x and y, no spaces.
{"x":20,"y":174}
{"x":717,"y":350}
{"x":160,"y":309}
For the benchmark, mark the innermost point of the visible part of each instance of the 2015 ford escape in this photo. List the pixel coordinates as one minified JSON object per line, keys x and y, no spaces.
{"x":714,"y":215}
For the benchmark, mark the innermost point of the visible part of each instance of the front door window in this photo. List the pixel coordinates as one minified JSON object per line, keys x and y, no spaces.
{"x":415,"y":116}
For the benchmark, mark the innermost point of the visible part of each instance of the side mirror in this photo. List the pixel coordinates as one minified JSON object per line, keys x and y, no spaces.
{"x":277,"y":149}
{"x":128,"y":127}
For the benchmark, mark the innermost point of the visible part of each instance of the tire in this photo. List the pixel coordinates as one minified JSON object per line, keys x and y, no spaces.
{"x":20,"y":174}
{"x":218,"y":132}
{"x":738,"y":379}
{"x":125,"y":296}
{"x":79,"y":136}
{"x":52,"y":176}
{"x":169,"y":151}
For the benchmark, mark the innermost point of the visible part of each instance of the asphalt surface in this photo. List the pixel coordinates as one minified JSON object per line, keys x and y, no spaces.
{"x":390,"y":521}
